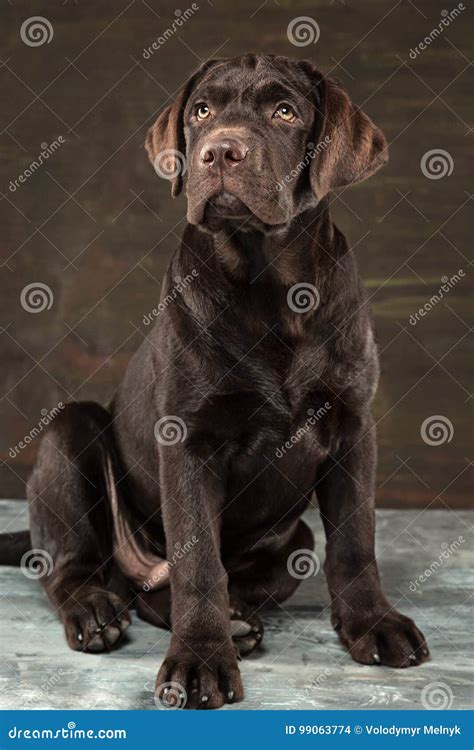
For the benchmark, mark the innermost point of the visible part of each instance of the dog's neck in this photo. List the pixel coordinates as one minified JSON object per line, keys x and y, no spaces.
{"x":265,"y":278}
{"x":287,"y":254}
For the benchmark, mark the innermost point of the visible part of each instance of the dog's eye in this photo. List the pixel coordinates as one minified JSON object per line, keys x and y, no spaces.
{"x":286,"y":113}
{"x":202,"y":111}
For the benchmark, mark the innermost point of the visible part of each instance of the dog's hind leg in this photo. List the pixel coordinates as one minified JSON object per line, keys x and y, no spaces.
{"x":71,"y":528}
{"x":155,"y":607}
{"x":246,"y":627}
{"x":265,"y":581}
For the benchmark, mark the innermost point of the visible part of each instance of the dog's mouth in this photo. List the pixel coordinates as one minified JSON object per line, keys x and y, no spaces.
{"x":224,"y":205}
{"x":212,"y":206}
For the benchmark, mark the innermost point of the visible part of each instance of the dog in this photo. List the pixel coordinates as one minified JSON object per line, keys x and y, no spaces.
{"x":252,"y":391}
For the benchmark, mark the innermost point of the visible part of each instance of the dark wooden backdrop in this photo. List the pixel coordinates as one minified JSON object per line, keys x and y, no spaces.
{"x":97,"y":226}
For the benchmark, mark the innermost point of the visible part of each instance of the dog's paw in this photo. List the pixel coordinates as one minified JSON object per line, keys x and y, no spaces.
{"x":187,"y":681}
{"x":95,"y":622}
{"x":245,"y":626}
{"x":385,"y":637}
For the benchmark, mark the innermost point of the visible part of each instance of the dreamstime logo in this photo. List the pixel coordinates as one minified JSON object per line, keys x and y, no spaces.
{"x":313,"y":418}
{"x":446,"y":551}
{"x":447,"y":284}
{"x":436,"y":164}
{"x":52,"y":681}
{"x":36,"y":564}
{"x":303,"y":563}
{"x":302,"y":31}
{"x":437,"y":430}
{"x":170,"y":430}
{"x":318,"y":681}
{"x":170,"y":695}
{"x":36,"y":297}
{"x":169,"y":164}
{"x":46,"y":418}
{"x":36,"y":31}
{"x":313,"y":151}
{"x":69,"y":732}
{"x":180,"y":550}
{"x":303,"y":297}
{"x":447,"y":16}
{"x":437,"y":696}
{"x":180,"y":19}
{"x":47,"y":150}
{"x":178,"y":287}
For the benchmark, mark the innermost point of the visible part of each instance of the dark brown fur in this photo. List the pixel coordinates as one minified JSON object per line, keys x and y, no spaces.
{"x":232,"y":359}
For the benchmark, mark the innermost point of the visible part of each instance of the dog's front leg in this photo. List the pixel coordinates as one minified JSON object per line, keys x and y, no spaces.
{"x":201,"y":662}
{"x":372,"y":630}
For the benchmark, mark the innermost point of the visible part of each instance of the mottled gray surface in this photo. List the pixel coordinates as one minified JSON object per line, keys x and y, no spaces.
{"x":302,"y":664}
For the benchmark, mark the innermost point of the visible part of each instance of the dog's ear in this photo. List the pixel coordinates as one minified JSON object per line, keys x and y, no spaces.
{"x":166,"y":146}
{"x":350,"y":147}
{"x":165,"y":140}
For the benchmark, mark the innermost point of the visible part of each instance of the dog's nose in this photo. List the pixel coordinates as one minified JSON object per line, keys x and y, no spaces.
{"x":223,"y":152}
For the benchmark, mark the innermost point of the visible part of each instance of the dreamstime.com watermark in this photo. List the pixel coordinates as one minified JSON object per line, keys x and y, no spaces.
{"x":36,"y":564}
{"x":446,"y":551}
{"x":170,"y":695}
{"x":447,"y":17}
{"x":179,"y":286}
{"x":178,"y":22}
{"x":54,"y":680}
{"x":437,"y":696}
{"x":36,"y":297}
{"x":437,"y":430}
{"x":47,"y":150}
{"x":45,"y":420}
{"x":170,"y":429}
{"x":318,"y":681}
{"x":313,"y":151}
{"x":71,"y":732}
{"x":36,"y":31}
{"x":303,"y":297}
{"x":303,"y":563}
{"x":436,"y":164}
{"x":447,"y":284}
{"x":302,"y":31}
{"x":170,"y":164}
{"x":180,"y":550}
{"x":313,"y":418}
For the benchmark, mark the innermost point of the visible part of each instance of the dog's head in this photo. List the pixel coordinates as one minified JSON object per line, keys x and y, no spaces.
{"x":261,"y":138}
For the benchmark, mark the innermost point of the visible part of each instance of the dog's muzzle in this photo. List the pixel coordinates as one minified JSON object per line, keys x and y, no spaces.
{"x":230,"y":178}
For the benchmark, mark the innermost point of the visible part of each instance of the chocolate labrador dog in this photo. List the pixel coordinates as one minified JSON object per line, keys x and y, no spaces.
{"x":252,"y":391}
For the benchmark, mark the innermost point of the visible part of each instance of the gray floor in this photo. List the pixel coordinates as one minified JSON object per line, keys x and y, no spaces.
{"x":302,"y":666}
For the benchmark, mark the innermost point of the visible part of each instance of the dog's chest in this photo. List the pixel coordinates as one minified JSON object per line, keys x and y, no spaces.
{"x":274,"y":393}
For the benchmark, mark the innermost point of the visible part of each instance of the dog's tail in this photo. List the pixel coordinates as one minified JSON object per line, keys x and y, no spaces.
{"x":13,"y":546}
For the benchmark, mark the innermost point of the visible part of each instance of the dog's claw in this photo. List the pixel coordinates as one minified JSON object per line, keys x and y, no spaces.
{"x":392,"y":640}
{"x":92,"y":623}
{"x":246,"y":628}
